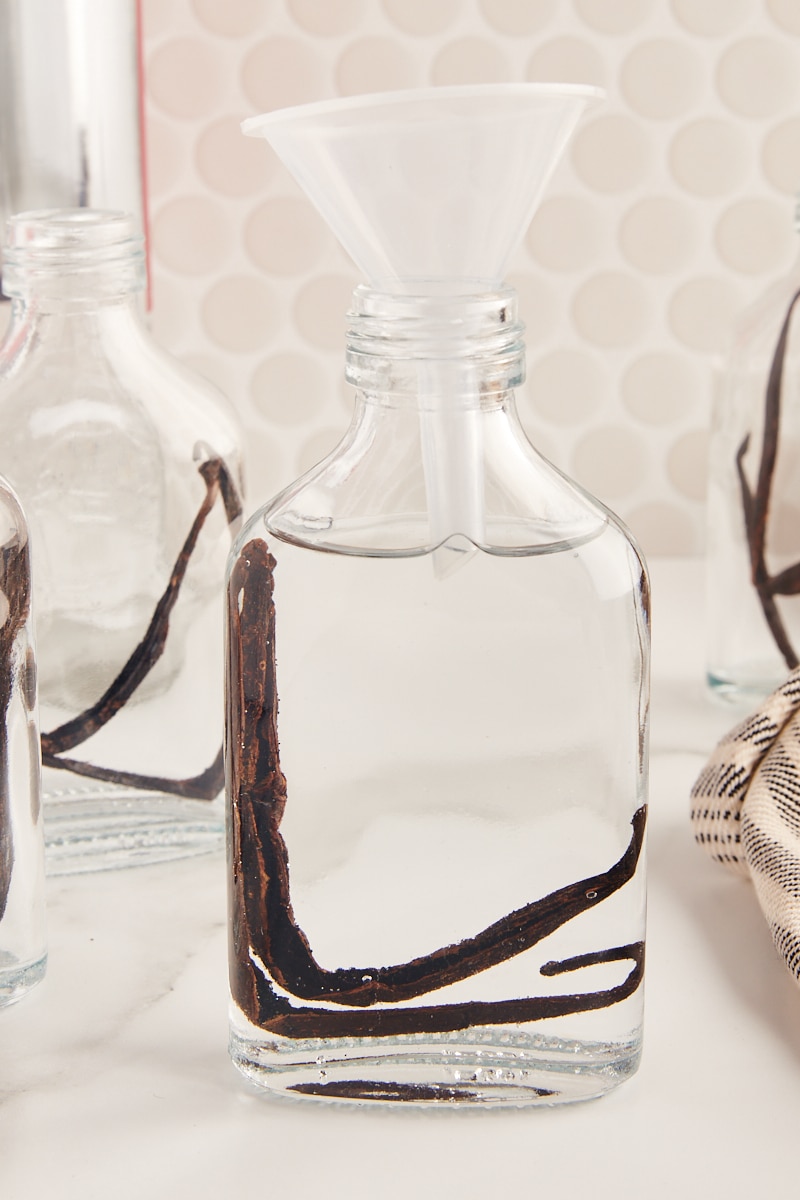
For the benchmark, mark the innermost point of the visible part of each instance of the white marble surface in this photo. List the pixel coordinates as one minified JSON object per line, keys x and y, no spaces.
{"x":115,"y":1080}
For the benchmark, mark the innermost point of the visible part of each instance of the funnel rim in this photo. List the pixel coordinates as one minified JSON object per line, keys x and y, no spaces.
{"x":254,"y":126}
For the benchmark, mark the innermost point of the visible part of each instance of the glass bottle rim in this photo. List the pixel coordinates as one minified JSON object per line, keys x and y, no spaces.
{"x":74,"y":248}
{"x":394,"y":331}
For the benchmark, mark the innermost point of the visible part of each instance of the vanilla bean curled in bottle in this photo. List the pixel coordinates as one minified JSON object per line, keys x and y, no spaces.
{"x":205,"y":786}
{"x":756,"y":505}
{"x":15,"y":586}
{"x":271,"y":958}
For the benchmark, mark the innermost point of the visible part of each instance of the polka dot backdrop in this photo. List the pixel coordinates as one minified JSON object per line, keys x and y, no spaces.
{"x":671,"y":211}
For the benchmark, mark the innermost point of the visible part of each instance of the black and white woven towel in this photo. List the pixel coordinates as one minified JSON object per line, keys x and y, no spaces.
{"x":746,"y":811}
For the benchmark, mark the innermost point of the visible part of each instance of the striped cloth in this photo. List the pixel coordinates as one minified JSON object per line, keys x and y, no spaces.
{"x":746,"y":811}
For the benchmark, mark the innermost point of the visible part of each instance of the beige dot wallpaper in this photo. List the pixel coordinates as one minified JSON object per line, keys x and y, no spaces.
{"x":672,"y":210}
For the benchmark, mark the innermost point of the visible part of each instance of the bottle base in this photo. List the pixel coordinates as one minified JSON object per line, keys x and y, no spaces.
{"x":17,"y":979}
{"x":487,"y":1068}
{"x":131,"y":828}
{"x":742,"y":693}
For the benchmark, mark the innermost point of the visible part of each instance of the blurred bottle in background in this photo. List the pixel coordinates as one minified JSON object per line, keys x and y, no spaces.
{"x":753,"y":558}
{"x":70,"y":106}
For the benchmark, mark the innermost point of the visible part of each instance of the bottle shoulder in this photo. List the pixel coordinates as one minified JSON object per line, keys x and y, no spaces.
{"x":13,"y":523}
{"x":376,"y":495}
{"x":757,"y":326}
{"x":113,"y":377}
{"x":559,"y":578}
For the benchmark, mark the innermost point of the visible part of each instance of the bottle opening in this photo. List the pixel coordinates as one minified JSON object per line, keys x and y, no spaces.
{"x":435,"y":340}
{"x":72,"y":250}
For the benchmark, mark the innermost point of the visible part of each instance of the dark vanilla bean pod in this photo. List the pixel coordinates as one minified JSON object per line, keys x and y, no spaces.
{"x":363,"y":1089}
{"x":151,"y":647}
{"x":204,"y":786}
{"x":280,"y":1016}
{"x":267,"y":943}
{"x":756,"y":505}
{"x":208,"y":783}
{"x":15,"y":586}
{"x":252,"y":767}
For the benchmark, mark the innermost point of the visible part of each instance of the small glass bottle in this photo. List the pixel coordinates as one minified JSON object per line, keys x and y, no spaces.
{"x":753,"y":509}
{"x":437,"y":663}
{"x":437,"y":716}
{"x":128,"y":467}
{"x":23,"y":953}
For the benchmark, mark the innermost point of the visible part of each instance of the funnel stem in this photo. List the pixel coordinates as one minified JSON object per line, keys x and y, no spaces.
{"x":451,"y":433}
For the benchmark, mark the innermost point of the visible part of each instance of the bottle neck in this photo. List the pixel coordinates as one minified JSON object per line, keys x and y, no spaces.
{"x":72,"y":261}
{"x":68,"y":326}
{"x":445,"y":356}
{"x":435,"y":345}
{"x":435,"y":459}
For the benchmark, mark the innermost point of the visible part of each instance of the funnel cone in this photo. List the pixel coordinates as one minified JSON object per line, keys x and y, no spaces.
{"x":439,"y":183}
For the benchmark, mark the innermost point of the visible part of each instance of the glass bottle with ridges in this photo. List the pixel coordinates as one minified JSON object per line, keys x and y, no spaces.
{"x":128,"y":466}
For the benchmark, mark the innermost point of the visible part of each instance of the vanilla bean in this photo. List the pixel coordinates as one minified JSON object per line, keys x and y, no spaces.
{"x":370,"y":1089}
{"x":267,"y":942}
{"x":150,"y":648}
{"x":756,"y":505}
{"x":15,"y":586}
{"x":204,"y":786}
{"x":208,"y":783}
{"x":276,"y":1013}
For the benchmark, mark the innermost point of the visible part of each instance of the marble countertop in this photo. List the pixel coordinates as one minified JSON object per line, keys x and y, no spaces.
{"x":115,"y":1080}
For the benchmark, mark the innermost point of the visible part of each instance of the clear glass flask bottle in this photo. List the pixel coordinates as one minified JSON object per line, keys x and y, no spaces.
{"x":23,"y":954}
{"x":437,"y":730}
{"x":128,"y":466}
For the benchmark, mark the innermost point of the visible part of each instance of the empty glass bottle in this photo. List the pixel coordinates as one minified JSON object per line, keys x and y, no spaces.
{"x":22,"y":933}
{"x":437,"y":700}
{"x":128,"y":466}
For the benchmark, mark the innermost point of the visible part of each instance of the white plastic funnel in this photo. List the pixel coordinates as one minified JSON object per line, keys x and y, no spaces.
{"x":436,"y":183}
{"x":437,"y":186}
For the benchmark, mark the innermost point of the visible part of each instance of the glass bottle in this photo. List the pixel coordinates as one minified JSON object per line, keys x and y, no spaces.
{"x":753,"y":510}
{"x":436,"y":732}
{"x":23,"y":954}
{"x":128,"y":467}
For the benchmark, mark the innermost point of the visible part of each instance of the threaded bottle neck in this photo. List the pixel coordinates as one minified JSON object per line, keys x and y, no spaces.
{"x":435,"y":338}
{"x":72,"y":257}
